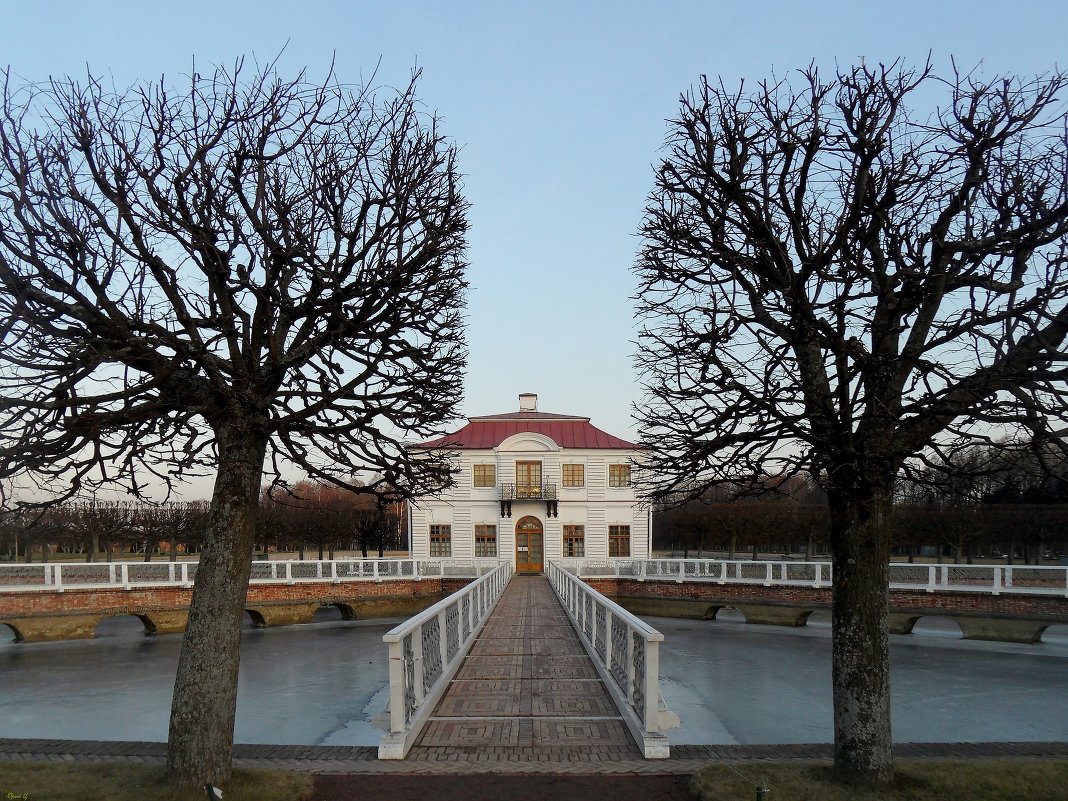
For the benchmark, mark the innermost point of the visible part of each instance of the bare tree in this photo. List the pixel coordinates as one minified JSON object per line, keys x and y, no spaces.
{"x":832,"y":286}
{"x":245,"y":270}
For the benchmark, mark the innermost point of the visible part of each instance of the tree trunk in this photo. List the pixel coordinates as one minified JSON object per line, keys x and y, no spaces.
{"x":860,"y":545}
{"x":201,"y":736}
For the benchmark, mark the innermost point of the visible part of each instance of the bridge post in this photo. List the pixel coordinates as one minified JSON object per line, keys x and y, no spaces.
{"x":289,"y":572}
{"x":443,"y":639}
{"x":652,"y":687}
{"x":397,"y":707}
{"x":997,"y":581}
{"x":57,"y":572}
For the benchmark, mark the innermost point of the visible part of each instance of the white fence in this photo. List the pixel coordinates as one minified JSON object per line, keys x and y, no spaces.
{"x":989,"y":579}
{"x":626,"y":652}
{"x":58,"y":576}
{"x":425,"y":652}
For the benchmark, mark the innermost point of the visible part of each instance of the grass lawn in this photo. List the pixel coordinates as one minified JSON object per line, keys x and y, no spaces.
{"x":915,"y":780}
{"x":87,"y":781}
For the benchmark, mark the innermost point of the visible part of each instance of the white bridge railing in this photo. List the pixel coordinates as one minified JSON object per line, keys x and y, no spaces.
{"x":59,"y":576}
{"x":990,"y":579}
{"x":626,"y":652}
{"x":425,"y":652}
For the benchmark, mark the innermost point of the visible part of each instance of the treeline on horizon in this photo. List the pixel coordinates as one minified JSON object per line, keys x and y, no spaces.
{"x":311,"y":520}
{"x":985,"y":502}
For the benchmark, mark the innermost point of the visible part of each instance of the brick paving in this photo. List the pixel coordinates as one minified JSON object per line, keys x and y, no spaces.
{"x":685,"y":759}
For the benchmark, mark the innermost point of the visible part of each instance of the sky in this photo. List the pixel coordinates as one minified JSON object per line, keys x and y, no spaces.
{"x":559,"y":110}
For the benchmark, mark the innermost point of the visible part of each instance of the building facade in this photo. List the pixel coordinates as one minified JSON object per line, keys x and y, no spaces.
{"x":533,"y":486}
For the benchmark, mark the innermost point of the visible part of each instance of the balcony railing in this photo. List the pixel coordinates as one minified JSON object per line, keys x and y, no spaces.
{"x":528,"y":492}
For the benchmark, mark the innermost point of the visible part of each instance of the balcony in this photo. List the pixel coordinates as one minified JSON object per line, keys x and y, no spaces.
{"x":528,"y":492}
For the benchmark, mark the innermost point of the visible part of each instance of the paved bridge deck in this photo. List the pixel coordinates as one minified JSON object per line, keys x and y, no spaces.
{"x":527,"y":689}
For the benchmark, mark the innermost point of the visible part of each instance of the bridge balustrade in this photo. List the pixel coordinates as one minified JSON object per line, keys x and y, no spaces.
{"x":426,"y":650}
{"x":58,"y":576}
{"x":625,"y":650}
{"x":991,"y":579}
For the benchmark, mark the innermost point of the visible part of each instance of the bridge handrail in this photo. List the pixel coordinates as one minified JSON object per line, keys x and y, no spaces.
{"x":991,"y":579}
{"x":420,"y":667}
{"x":625,"y":650}
{"x":60,"y":576}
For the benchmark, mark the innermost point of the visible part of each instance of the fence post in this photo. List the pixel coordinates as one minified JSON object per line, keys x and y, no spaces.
{"x":652,"y":686}
{"x":396,"y":686}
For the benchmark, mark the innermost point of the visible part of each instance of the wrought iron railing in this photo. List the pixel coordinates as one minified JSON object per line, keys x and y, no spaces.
{"x":528,"y":492}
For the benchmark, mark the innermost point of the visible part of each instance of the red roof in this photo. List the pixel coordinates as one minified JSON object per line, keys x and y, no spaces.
{"x":567,"y":431}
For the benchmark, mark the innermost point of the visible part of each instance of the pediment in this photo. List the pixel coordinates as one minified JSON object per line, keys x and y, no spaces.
{"x":528,"y":441}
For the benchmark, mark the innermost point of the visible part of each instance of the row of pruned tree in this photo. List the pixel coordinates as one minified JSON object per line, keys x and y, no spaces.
{"x":312,"y":518}
{"x":1028,"y":533}
{"x":995,"y":501}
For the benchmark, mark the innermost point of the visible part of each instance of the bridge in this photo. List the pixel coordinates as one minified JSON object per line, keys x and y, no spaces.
{"x":62,"y":601}
{"x":546,"y":668}
{"x":988,"y":602}
{"x":65,"y":600}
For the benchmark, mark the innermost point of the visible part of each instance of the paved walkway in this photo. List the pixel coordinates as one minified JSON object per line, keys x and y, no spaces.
{"x":685,"y":759}
{"x":526,"y":692}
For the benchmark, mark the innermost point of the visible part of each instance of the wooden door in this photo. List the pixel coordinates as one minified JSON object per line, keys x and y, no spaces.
{"x":528,"y":479}
{"x":529,"y":537}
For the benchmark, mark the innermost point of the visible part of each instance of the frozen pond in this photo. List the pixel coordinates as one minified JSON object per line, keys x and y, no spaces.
{"x":325,"y":683}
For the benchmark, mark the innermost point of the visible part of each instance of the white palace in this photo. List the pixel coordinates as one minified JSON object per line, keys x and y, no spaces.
{"x":533,"y":486}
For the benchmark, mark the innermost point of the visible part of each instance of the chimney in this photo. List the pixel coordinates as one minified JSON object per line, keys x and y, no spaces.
{"x":528,"y":402}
